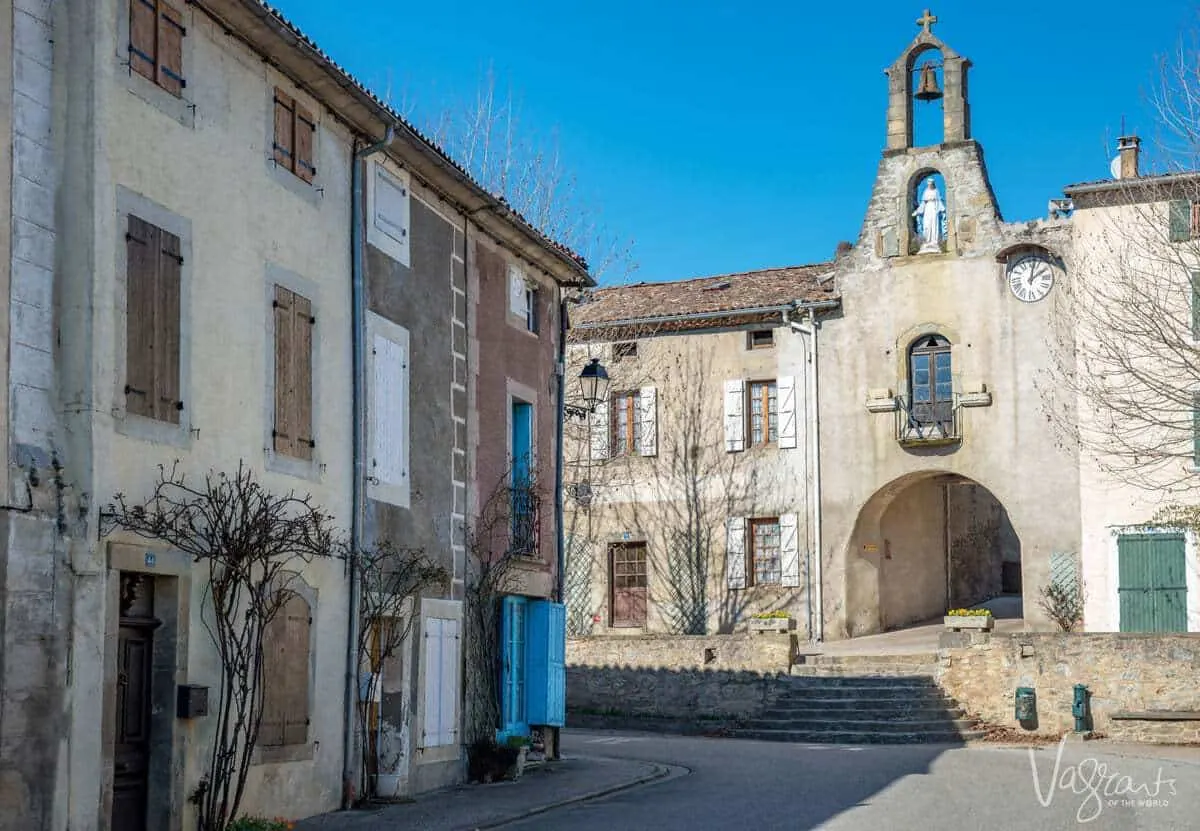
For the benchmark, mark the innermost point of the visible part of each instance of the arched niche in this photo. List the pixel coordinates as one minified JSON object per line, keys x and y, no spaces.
{"x":913,"y":190}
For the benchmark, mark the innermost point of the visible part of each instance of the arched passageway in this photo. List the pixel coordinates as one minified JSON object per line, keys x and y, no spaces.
{"x":925,"y":543}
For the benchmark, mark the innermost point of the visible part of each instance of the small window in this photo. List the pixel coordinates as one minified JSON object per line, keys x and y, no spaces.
{"x":765,"y":560}
{"x":156,"y":33}
{"x":626,"y":435}
{"x":760,"y":339}
{"x":531,"y":309}
{"x":931,"y":380}
{"x":295,"y":129}
{"x":624,"y":351}
{"x":764,"y":412}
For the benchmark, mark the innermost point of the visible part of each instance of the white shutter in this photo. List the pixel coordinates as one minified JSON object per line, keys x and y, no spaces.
{"x":785,"y":388}
{"x":389,"y":418}
{"x":735,"y":552}
{"x":599,"y":428}
{"x":735,"y":418}
{"x":516,"y":291}
{"x":448,"y":725}
{"x":789,"y":551}
{"x":432,"y":645}
{"x":648,"y":398}
{"x":391,"y":205}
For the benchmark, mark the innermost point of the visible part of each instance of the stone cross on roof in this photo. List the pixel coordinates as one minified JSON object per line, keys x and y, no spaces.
{"x":927,"y":20}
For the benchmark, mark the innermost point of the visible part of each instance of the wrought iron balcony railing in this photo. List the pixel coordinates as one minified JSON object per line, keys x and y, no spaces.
{"x":927,"y":424}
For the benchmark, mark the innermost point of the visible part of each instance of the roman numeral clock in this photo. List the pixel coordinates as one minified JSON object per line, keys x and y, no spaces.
{"x":1030,"y":277}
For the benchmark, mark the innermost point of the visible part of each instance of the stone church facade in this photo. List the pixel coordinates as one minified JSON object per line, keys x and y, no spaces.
{"x":936,"y":478}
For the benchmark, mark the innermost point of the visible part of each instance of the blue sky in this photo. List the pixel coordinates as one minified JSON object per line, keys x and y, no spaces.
{"x":728,"y":136}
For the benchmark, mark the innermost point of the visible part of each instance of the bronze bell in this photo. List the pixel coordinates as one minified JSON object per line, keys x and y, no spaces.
{"x":928,"y":88}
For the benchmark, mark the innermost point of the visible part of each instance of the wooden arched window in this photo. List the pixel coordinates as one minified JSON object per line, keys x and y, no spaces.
{"x":286,"y":660}
{"x":931,"y":385}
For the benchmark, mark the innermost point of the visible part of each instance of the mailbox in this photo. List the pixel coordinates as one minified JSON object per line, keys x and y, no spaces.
{"x":1026,"y":709}
{"x":191,"y":701}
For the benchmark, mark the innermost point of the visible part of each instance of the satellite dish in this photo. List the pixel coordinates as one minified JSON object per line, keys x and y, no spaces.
{"x":1115,"y":167}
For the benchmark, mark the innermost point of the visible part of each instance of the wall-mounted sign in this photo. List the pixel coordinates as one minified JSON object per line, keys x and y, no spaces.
{"x":150,"y":559}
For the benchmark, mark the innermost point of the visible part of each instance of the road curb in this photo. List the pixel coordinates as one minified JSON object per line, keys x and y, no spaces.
{"x":660,"y":772}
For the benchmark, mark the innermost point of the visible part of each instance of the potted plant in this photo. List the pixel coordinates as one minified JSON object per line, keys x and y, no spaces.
{"x":777,"y":621}
{"x":957,"y":619}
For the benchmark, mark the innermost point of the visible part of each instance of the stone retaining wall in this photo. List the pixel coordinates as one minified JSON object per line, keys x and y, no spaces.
{"x":693,"y":694}
{"x":1123,"y":672}
{"x":756,"y":652}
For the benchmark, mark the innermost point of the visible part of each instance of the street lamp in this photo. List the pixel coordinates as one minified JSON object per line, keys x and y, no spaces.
{"x":593,"y":388}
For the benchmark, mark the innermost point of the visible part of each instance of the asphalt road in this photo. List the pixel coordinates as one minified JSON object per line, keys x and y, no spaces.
{"x":735,"y":784}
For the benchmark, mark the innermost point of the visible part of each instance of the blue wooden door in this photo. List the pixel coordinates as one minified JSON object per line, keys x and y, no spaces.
{"x":1153,"y":582}
{"x":513,"y":721}
{"x":523,"y":535}
{"x":546,"y":653}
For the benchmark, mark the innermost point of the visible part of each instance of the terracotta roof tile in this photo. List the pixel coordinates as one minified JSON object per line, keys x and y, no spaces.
{"x":735,"y":294}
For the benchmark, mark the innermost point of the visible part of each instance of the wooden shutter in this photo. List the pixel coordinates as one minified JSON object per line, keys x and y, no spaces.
{"x":735,"y":418}
{"x":285,"y":125}
{"x":735,"y":552}
{"x":1180,"y":211}
{"x":170,"y":50}
{"x":167,"y":330}
{"x":305,"y":132}
{"x":1196,"y":429}
{"x":143,"y":34}
{"x":142,"y":243}
{"x":516,"y":292}
{"x":648,"y":403}
{"x":599,"y":431}
{"x":302,"y":376}
{"x":297,"y":625}
{"x":785,"y":387}
{"x":390,"y":422}
{"x":284,"y":433}
{"x":789,"y":551}
{"x":391,"y":205}
{"x":441,"y":648}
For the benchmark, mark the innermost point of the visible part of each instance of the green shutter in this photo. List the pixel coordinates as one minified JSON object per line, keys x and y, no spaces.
{"x":1152,"y":582}
{"x":1196,"y":305}
{"x":1196,"y":429}
{"x":1181,"y":220}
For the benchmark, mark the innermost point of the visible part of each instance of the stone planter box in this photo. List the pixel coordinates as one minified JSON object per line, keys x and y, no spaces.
{"x":778,"y":624}
{"x":957,"y":622}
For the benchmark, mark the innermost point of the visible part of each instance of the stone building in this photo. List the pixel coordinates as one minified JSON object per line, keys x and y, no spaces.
{"x":225,"y":250}
{"x":938,"y":478}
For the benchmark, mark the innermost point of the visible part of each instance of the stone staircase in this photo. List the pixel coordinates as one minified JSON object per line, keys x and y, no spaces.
{"x":862,"y":700}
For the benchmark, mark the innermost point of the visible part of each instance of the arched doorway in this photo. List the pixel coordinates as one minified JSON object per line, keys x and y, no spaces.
{"x":925,"y":543}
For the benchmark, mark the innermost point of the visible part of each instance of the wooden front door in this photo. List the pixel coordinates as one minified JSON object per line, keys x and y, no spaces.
{"x":131,"y":752}
{"x":1153,"y":582}
{"x":627,"y":580}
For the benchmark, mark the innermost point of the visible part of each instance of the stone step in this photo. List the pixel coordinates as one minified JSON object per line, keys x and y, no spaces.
{"x":856,"y":737}
{"x":838,"y":698}
{"x":853,"y":709}
{"x":875,"y":682}
{"x":845,"y":725}
{"x":920,"y":659}
{"x":835,"y":671}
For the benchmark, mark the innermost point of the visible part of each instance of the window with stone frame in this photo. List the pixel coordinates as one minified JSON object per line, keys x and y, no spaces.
{"x":295,"y":134}
{"x":626,"y":437}
{"x":764,"y":413}
{"x":766,"y":563}
{"x":156,"y":34}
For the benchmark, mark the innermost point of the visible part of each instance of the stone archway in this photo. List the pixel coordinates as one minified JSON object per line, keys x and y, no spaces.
{"x":924,"y":543}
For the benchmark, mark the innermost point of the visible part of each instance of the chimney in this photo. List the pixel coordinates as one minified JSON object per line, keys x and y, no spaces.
{"x":1128,"y":147}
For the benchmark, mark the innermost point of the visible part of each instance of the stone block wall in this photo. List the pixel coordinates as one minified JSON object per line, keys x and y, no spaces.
{"x":756,"y":652}
{"x":1123,"y":672}
{"x":690,"y":694}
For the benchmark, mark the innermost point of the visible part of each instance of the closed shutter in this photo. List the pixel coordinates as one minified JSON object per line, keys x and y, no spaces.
{"x":297,"y":625}
{"x":1196,"y":429}
{"x":142,"y":243}
{"x":170,"y":50}
{"x":302,"y":376}
{"x":599,"y":431}
{"x":284,"y":433}
{"x":448,"y":687}
{"x":556,"y":682}
{"x":143,"y":34}
{"x":516,"y":292}
{"x":1196,"y":305}
{"x":1180,"y":211}
{"x":284,"y":129}
{"x":789,"y":551}
{"x":735,"y":419}
{"x":167,"y":334}
{"x":306,"y":129}
{"x":389,"y":420}
{"x":735,"y":552}
{"x":391,"y":205}
{"x":786,"y":389}
{"x":648,"y":402}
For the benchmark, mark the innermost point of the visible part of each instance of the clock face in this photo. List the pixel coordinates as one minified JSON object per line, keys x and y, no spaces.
{"x":1030,"y":278}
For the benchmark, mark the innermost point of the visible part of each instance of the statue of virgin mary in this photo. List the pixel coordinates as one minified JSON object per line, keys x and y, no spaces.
{"x":929,"y":212}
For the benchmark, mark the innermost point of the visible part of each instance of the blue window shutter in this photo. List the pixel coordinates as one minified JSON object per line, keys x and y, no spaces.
{"x":513,"y":687}
{"x":546,"y":663}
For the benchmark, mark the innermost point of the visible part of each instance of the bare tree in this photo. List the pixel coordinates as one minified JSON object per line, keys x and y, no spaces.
{"x":1125,"y":368}
{"x":513,"y":159}
{"x":251,"y":540}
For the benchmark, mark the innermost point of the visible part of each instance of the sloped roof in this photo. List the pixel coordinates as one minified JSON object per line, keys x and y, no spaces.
{"x":383,"y":110}
{"x":724,"y":295}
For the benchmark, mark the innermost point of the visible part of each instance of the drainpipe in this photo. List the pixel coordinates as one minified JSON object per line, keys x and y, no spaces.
{"x":811,"y":328}
{"x":358,"y":485}
{"x":560,"y":419}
